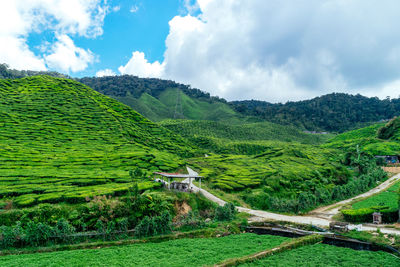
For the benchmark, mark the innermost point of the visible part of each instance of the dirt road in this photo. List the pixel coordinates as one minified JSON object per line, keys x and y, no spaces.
{"x":328,"y":212}
{"x":260,"y":215}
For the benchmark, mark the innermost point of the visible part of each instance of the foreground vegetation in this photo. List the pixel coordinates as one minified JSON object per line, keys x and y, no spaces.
{"x":327,"y":255}
{"x":183,"y":252}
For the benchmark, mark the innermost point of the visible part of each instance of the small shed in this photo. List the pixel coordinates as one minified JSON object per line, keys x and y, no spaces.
{"x":179,"y":181}
{"x":389,"y":159}
{"x":377,"y":218}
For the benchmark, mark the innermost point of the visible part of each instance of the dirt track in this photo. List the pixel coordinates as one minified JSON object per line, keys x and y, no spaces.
{"x":260,"y":215}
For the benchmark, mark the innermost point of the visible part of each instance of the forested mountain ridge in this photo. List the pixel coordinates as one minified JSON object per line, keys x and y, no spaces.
{"x":159,"y":99}
{"x":336,"y":112}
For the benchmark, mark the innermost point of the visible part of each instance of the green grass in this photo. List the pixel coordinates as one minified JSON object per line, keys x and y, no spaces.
{"x":327,"y":255}
{"x":182,"y":252}
{"x":389,"y":197}
{"x":62,"y":141}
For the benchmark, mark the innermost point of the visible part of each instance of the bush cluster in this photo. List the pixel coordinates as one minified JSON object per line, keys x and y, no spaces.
{"x":35,"y":234}
{"x":154,"y":226}
{"x":225,"y":213}
{"x":365,"y":214}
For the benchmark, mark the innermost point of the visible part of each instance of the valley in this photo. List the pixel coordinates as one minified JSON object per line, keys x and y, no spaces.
{"x":76,"y":168}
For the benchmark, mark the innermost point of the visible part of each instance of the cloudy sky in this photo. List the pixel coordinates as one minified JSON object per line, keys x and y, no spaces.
{"x":237,"y":49}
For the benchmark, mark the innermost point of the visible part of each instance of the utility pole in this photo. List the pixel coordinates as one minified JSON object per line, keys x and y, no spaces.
{"x":178,"y":114}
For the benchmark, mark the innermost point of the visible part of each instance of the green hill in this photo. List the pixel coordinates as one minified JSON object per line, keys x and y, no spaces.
{"x":62,"y":141}
{"x":377,"y":139}
{"x":159,"y":99}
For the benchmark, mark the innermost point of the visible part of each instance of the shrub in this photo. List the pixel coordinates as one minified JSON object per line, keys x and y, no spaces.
{"x":365,"y":214}
{"x":155,"y":225}
{"x":225,"y":213}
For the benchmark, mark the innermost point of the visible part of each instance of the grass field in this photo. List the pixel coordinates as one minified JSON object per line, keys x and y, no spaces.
{"x":182,"y":252}
{"x":327,"y":255}
{"x":389,"y":197}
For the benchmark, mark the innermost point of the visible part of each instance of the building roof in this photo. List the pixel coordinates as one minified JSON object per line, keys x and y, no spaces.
{"x":192,"y":174}
{"x":177,"y":175}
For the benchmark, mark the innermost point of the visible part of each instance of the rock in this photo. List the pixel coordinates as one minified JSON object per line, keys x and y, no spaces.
{"x":207,"y":220}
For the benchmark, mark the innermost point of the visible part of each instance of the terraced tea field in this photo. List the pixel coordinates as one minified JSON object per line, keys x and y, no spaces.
{"x":62,"y":141}
{"x":182,"y":252}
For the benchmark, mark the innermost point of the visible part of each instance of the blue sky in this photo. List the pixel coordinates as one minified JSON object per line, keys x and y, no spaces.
{"x":136,"y":26}
{"x":237,"y":49}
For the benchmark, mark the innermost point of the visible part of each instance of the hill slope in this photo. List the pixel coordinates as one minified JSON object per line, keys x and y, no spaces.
{"x":243,"y":132}
{"x":162,"y":99}
{"x":61,"y":140}
{"x":377,"y":139}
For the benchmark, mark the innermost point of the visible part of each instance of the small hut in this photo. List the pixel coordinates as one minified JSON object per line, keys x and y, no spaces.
{"x":377,"y":218}
{"x":178,"y":181}
{"x":388,"y":159}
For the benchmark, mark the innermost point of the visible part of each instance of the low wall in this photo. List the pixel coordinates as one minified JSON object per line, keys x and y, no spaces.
{"x":328,"y":238}
{"x":392,"y":169}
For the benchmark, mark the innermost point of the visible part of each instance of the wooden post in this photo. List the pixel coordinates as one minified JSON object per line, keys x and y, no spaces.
{"x":169,"y":184}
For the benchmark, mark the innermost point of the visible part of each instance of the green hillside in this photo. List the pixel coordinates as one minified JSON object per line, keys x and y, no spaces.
{"x":243,"y":132}
{"x":157,"y":99}
{"x":62,"y":141}
{"x":163,"y":107}
{"x":377,"y":139}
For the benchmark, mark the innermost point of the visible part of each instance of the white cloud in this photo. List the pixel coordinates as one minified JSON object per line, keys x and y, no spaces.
{"x":65,"y":56}
{"x":105,"y":72}
{"x":16,"y":53}
{"x":116,"y":8}
{"x":19,"y":18}
{"x":284,"y":50}
{"x":138,"y":65}
{"x":134,"y":9}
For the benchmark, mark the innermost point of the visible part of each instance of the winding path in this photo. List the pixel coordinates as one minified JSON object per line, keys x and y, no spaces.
{"x":329,"y":211}
{"x":321,"y":221}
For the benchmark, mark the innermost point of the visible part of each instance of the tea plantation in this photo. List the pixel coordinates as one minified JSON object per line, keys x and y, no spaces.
{"x":377,"y":139}
{"x":62,"y":141}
